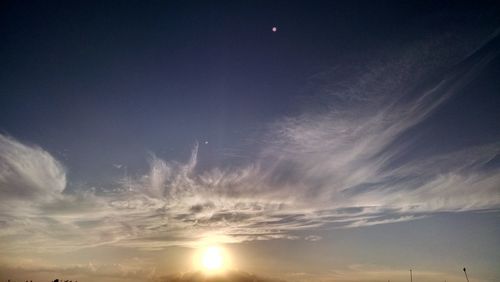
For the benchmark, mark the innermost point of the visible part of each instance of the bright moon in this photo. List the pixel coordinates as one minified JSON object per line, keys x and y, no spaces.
{"x":213,"y":260}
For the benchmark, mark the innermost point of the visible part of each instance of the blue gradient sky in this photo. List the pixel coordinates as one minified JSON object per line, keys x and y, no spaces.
{"x":359,"y":140}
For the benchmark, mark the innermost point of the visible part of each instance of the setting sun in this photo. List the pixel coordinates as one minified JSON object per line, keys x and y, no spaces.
{"x":213,"y":260}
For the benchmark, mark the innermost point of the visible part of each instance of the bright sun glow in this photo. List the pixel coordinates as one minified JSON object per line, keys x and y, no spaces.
{"x":213,"y":260}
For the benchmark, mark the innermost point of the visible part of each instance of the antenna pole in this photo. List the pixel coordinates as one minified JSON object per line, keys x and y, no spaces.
{"x":466,"y":277}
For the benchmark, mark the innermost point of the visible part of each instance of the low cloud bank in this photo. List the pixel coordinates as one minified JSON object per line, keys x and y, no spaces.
{"x":231,"y":276}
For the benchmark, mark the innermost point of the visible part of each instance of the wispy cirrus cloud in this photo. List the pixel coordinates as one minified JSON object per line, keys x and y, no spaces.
{"x":28,"y":172}
{"x":346,"y":166}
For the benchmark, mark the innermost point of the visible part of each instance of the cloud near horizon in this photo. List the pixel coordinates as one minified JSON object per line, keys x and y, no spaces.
{"x":232,"y":276}
{"x":344,"y":167}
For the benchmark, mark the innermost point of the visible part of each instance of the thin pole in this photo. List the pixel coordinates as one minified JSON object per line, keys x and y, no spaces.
{"x":466,"y":277}
{"x":411,"y":276}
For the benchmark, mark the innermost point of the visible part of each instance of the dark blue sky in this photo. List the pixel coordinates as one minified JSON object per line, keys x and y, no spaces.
{"x":104,"y":83}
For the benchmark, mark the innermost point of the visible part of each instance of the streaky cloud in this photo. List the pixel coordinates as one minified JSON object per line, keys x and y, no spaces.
{"x":28,"y":172}
{"x":344,"y":167}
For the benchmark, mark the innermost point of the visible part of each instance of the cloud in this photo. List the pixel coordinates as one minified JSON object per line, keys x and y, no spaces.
{"x":372,"y":272}
{"x":358,"y":155}
{"x":35,"y":270}
{"x":313,"y":238}
{"x":28,"y":172}
{"x":343,"y":167}
{"x":232,"y":276}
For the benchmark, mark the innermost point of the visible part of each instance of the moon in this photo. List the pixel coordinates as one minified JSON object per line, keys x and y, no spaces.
{"x":274,"y":29}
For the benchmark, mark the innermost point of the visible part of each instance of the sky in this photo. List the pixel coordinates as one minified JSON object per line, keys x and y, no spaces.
{"x":357,"y":141}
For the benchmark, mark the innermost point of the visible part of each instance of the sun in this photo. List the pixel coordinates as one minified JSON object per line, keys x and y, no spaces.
{"x":213,"y":260}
